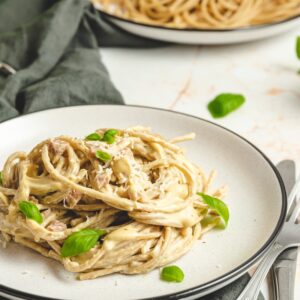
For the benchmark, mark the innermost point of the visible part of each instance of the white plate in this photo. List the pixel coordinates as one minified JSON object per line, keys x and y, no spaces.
{"x":256,"y":200}
{"x":204,"y":36}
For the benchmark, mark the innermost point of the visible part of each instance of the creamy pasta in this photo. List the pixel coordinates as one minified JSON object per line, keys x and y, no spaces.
{"x":135,"y":185}
{"x":201,"y":14}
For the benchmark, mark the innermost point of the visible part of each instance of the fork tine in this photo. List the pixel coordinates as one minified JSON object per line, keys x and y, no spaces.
{"x":295,"y":212}
{"x":292,"y":197}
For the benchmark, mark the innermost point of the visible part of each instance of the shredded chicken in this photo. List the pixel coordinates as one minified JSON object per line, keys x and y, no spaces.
{"x":56,"y":226}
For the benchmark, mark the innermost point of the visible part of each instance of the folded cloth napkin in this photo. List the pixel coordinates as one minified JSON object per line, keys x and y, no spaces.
{"x":53,"y":47}
{"x":55,"y":52}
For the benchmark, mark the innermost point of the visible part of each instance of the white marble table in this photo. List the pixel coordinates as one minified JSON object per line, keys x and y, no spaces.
{"x":185,"y":78}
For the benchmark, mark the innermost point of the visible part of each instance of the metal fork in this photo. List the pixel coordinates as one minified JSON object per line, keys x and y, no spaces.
{"x":287,"y":238}
{"x":284,"y":268}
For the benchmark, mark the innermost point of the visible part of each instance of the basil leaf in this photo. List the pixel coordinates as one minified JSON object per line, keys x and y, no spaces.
{"x":31,"y":211}
{"x":94,"y":137}
{"x":172,"y":274}
{"x":103,"y":156}
{"x":81,"y":242}
{"x":298,"y":47}
{"x":1,"y":179}
{"x":218,"y":205}
{"x":224,"y":104}
{"x":109,"y":139}
{"x":109,"y":136}
{"x":112,"y":132}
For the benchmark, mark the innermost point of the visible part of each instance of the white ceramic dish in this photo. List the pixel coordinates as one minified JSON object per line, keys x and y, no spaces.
{"x":204,"y":37}
{"x":256,"y":200}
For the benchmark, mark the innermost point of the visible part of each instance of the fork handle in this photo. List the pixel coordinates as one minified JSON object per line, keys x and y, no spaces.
{"x":252,"y":289}
{"x":283,"y":274}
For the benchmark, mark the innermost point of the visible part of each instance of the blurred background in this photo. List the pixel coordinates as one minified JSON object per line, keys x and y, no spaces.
{"x":186,"y":78}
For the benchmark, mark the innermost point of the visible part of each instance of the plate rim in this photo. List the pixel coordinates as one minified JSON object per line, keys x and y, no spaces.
{"x":240,"y":270}
{"x":242,"y":29}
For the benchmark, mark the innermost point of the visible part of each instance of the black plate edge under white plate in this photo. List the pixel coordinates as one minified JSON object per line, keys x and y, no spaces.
{"x":202,"y":287}
{"x":107,"y":16}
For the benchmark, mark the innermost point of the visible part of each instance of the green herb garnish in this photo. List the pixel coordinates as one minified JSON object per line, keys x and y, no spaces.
{"x":103,"y":156}
{"x":109,"y":136}
{"x":31,"y":211}
{"x":93,"y":137}
{"x":80,"y":242}
{"x":224,"y":104}
{"x":111,"y":132}
{"x":298,"y":47}
{"x":109,"y":139}
{"x":218,"y":205}
{"x":1,"y":179}
{"x":172,"y":274}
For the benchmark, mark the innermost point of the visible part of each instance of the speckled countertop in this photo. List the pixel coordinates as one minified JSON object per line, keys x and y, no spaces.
{"x":185,"y":78}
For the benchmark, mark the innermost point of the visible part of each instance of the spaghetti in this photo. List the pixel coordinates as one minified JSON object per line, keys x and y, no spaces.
{"x":143,"y":196}
{"x":201,"y":14}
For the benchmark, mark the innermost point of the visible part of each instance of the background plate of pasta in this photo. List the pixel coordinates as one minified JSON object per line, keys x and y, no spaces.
{"x":202,"y":21}
{"x":115,"y":200}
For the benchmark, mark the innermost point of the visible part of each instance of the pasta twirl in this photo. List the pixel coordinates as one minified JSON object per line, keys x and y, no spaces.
{"x":144,"y":199}
{"x":201,"y":14}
